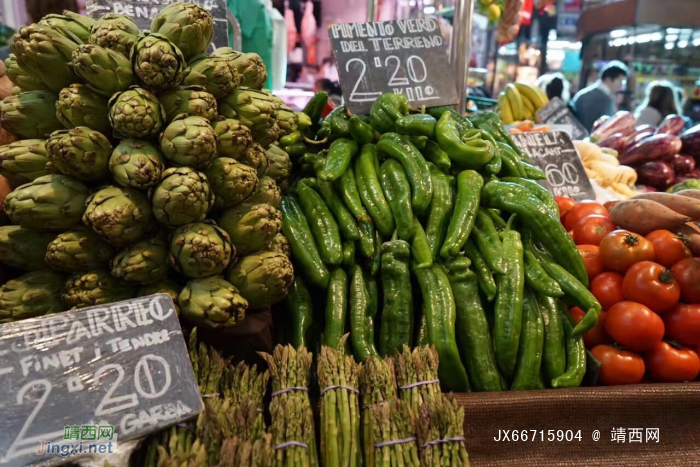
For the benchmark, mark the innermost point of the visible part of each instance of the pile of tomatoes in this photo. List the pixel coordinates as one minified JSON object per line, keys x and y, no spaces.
{"x":649,"y":288}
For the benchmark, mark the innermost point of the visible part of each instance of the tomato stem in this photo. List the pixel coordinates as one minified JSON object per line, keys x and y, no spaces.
{"x":631,"y":240}
{"x":666,"y":276}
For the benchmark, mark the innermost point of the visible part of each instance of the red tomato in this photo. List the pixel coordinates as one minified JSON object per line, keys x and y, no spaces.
{"x":607,"y":289}
{"x":620,"y":249}
{"x":591,"y":258}
{"x":668,"y":364}
{"x":651,"y":285}
{"x":597,"y":334}
{"x":683,"y":324}
{"x":634,"y":326}
{"x":592,"y":229}
{"x":581,"y":210}
{"x":618,"y":366}
{"x":687,"y":273}
{"x":610,"y":204}
{"x":668,"y":248}
{"x":565,"y":204}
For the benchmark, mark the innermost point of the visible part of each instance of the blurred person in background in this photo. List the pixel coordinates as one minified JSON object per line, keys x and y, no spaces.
{"x":661,"y":100}
{"x":555,"y":85}
{"x":598,"y":99}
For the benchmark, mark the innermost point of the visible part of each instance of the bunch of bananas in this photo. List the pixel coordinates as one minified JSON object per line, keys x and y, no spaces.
{"x":520,"y":102}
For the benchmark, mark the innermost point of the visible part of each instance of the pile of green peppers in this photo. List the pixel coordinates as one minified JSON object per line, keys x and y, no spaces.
{"x":411,"y":228}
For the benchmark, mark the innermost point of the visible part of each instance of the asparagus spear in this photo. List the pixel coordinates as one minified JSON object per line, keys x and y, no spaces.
{"x":377,"y":386}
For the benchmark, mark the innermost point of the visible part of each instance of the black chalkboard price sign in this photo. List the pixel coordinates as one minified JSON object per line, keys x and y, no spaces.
{"x":554,"y":152}
{"x":404,"y":57}
{"x":557,"y":112}
{"x":99,"y":375}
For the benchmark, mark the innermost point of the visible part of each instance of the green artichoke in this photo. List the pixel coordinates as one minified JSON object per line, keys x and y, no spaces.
{"x":234,"y":138}
{"x":280,"y":244}
{"x":136,"y":113}
{"x":167,"y":286}
{"x":262,"y":278}
{"x":105,"y":71}
{"x":21,"y":76}
{"x":279,"y":165}
{"x":254,"y":156}
{"x":51,"y":202}
{"x":230,"y":181}
{"x":78,"y":250}
{"x":30,"y":114}
{"x":251,"y":227}
{"x":189,"y":100}
{"x":250,"y":66}
{"x":121,"y":216}
{"x":268,"y":192}
{"x":144,"y":262}
{"x":77,"y":105}
{"x":212,"y":302}
{"x":189,"y":142}
{"x":34,"y":294}
{"x":265,"y":137}
{"x":189,"y":26}
{"x":216,"y":74}
{"x":81,"y":153}
{"x":47,"y":53}
{"x":136,"y":164}
{"x":255,"y":109}
{"x":287,"y":119}
{"x":24,"y":161}
{"x":200,"y":250}
{"x":115,"y":32}
{"x":157,"y":62}
{"x":24,"y":248}
{"x":94,"y":288}
{"x":183,"y":196}
{"x":70,"y":25}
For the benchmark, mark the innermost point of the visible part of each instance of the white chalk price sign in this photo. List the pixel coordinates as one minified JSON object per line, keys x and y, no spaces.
{"x":401,"y":57}
{"x":555,"y":153}
{"x":123,"y":365}
{"x":143,"y":12}
{"x":557,"y":112}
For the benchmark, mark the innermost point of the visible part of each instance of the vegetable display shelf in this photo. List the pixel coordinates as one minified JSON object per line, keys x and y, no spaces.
{"x":673,"y":409}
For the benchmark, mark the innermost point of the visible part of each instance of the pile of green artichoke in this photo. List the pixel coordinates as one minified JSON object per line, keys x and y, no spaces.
{"x":142,"y":165}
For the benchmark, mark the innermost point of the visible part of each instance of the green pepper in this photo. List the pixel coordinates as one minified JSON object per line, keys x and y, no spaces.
{"x":386,"y":109}
{"x":422,"y":334}
{"x":338,"y":160}
{"x":397,"y":190}
{"x":462,"y":122}
{"x":483,"y":273}
{"x":304,"y":251}
{"x":548,"y":230}
{"x":372,"y":285}
{"x":498,"y":221}
{"x":347,"y":185}
{"x":487,"y":241}
{"x":418,"y":141}
{"x":295,"y":151}
{"x":336,"y":308}
{"x":401,"y":149}
{"x":472,"y":154}
{"x":416,"y":125}
{"x":575,"y":355}
{"x":440,"y":210}
{"x":527,"y":373}
{"x":508,"y":310}
{"x":440,"y":313}
{"x":314,"y":108}
{"x":359,"y":304}
{"x":537,"y":190}
{"x":323,"y":226}
{"x":361,"y":131}
{"x":420,"y":248}
{"x":371,"y":194}
{"x":374,"y":262}
{"x":346,"y":222}
{"x":512,"y":165}
{"x":367,"y":245}
{"x":292,"y":138}
{"x":532,"y":172}
{"x":433,"y":153}
{"x":338,"y":121}
{"x":491,"y":122}
{"x":536,"y":277}
{"x":469,"y":185}
{"x":300,"y":310}
{"x":348,"y":253}
{"x":496,"y":164}
{"x":472,"y":327}
{"x":397,"y":312}
{"x":304,"y":120}
{"x":554,"y":348}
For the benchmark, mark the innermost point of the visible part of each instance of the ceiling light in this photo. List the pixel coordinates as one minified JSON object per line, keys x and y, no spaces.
{"x":618,"y":33}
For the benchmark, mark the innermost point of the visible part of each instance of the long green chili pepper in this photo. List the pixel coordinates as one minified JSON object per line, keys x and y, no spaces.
{"x":575,"y":355}
{"x":418,"y":141}
{"x":498,"y":221}
{"x":472,"y":327}
{"x":483,"y":273}
{"x":323,"y":226}
{"x":371,"y":194}
{"x":338,"y":121}
{"x":512,"y":165}
{"x":416,"y":125}
{"x":292,"y":138}
{"x":538,"y":190}
{"x":472,"y":154}
{"x":554,"y":360}
{"x":300,"y":310}
{"x":360,"y":306}
{"x":338,"y":160}
{"x":536,"y":277}
{"x":469,"y":184}
{"x":527,"y":372}
{"x":532,"y":172}
{"x":398,"y":193}
{"x":491,"y":122}
{"x":346,"y":222}
{"x":462,"y":122}
{"x":362,"y":132}
{"x":315,"y":106}
{"x":420,"y":247}
{"x":433,"y":153}
{"x":347,"y":185}
{"x":440,"y":210}
{"x":372,"y":285}
{"x":375,"y":262}
{"x":367,"y":246}
{"x":386,"y":109}
{"x":495,"y":165}
{"x":336,"y":308}
{"x":348,"y":253}
{"x":397,"y":312}
{"x":487,"y":240}
{"x":422,"y":334}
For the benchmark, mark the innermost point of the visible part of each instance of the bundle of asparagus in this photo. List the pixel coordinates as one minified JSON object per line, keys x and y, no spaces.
{"x":292,"y":426}
{"x":246,"y":443}
{"x":377,"y":386}
{"x":244,"y":382}
{"x":417,"y":376}
{"x":393,"y":435}
{"x":340,"y":409}
{"x":440,"y":430}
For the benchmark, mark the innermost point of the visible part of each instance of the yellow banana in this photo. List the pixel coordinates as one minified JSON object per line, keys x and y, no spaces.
{"x":542,"y":94}
{"x":516,"y":102}
{"x":528,"y":107}
{"x":506,"y":111}
{"x":530,"y":93}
